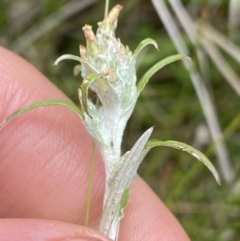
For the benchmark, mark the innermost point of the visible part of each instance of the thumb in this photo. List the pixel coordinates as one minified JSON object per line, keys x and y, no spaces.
{"x":46,"y":230}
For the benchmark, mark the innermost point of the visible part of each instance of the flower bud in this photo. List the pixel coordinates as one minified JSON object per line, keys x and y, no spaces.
{"x":92,"y":45}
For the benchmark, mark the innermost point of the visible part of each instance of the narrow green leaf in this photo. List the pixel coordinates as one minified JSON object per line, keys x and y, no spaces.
{"x":168,"y":60}
{"x":44,"y":103}
{"x":84,"y":89}
{"x":191,"y":150}
{"x":143,"y":44}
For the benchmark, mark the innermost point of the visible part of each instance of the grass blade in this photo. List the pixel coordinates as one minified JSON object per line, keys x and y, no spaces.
{"x":219,"y":39}
{"x":222,"y":65}
{"x":234,"y":19}
{"x":200,"y":88}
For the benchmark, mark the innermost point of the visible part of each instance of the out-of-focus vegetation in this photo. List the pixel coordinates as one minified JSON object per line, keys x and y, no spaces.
{"x":41,"y":31}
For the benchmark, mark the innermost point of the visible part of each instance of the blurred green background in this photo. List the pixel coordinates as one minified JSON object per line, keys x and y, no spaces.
{"x":41,"y":31}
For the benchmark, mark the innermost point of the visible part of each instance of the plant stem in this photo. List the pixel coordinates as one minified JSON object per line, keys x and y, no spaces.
{"x":106,"y":8}
{"x":90,"y":184}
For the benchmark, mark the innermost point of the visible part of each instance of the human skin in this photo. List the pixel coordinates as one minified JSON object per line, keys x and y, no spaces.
{"x":44,"y":168}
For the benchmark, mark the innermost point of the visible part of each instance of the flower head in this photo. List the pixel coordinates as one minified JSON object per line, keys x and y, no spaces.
{"x":108,"y":69}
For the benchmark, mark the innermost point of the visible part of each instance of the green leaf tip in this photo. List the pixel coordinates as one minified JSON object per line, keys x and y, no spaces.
{"x":143,"y":44}
{"x":168,"y":60}
{"x":191,"y":150}
{"x":39,"y":104}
